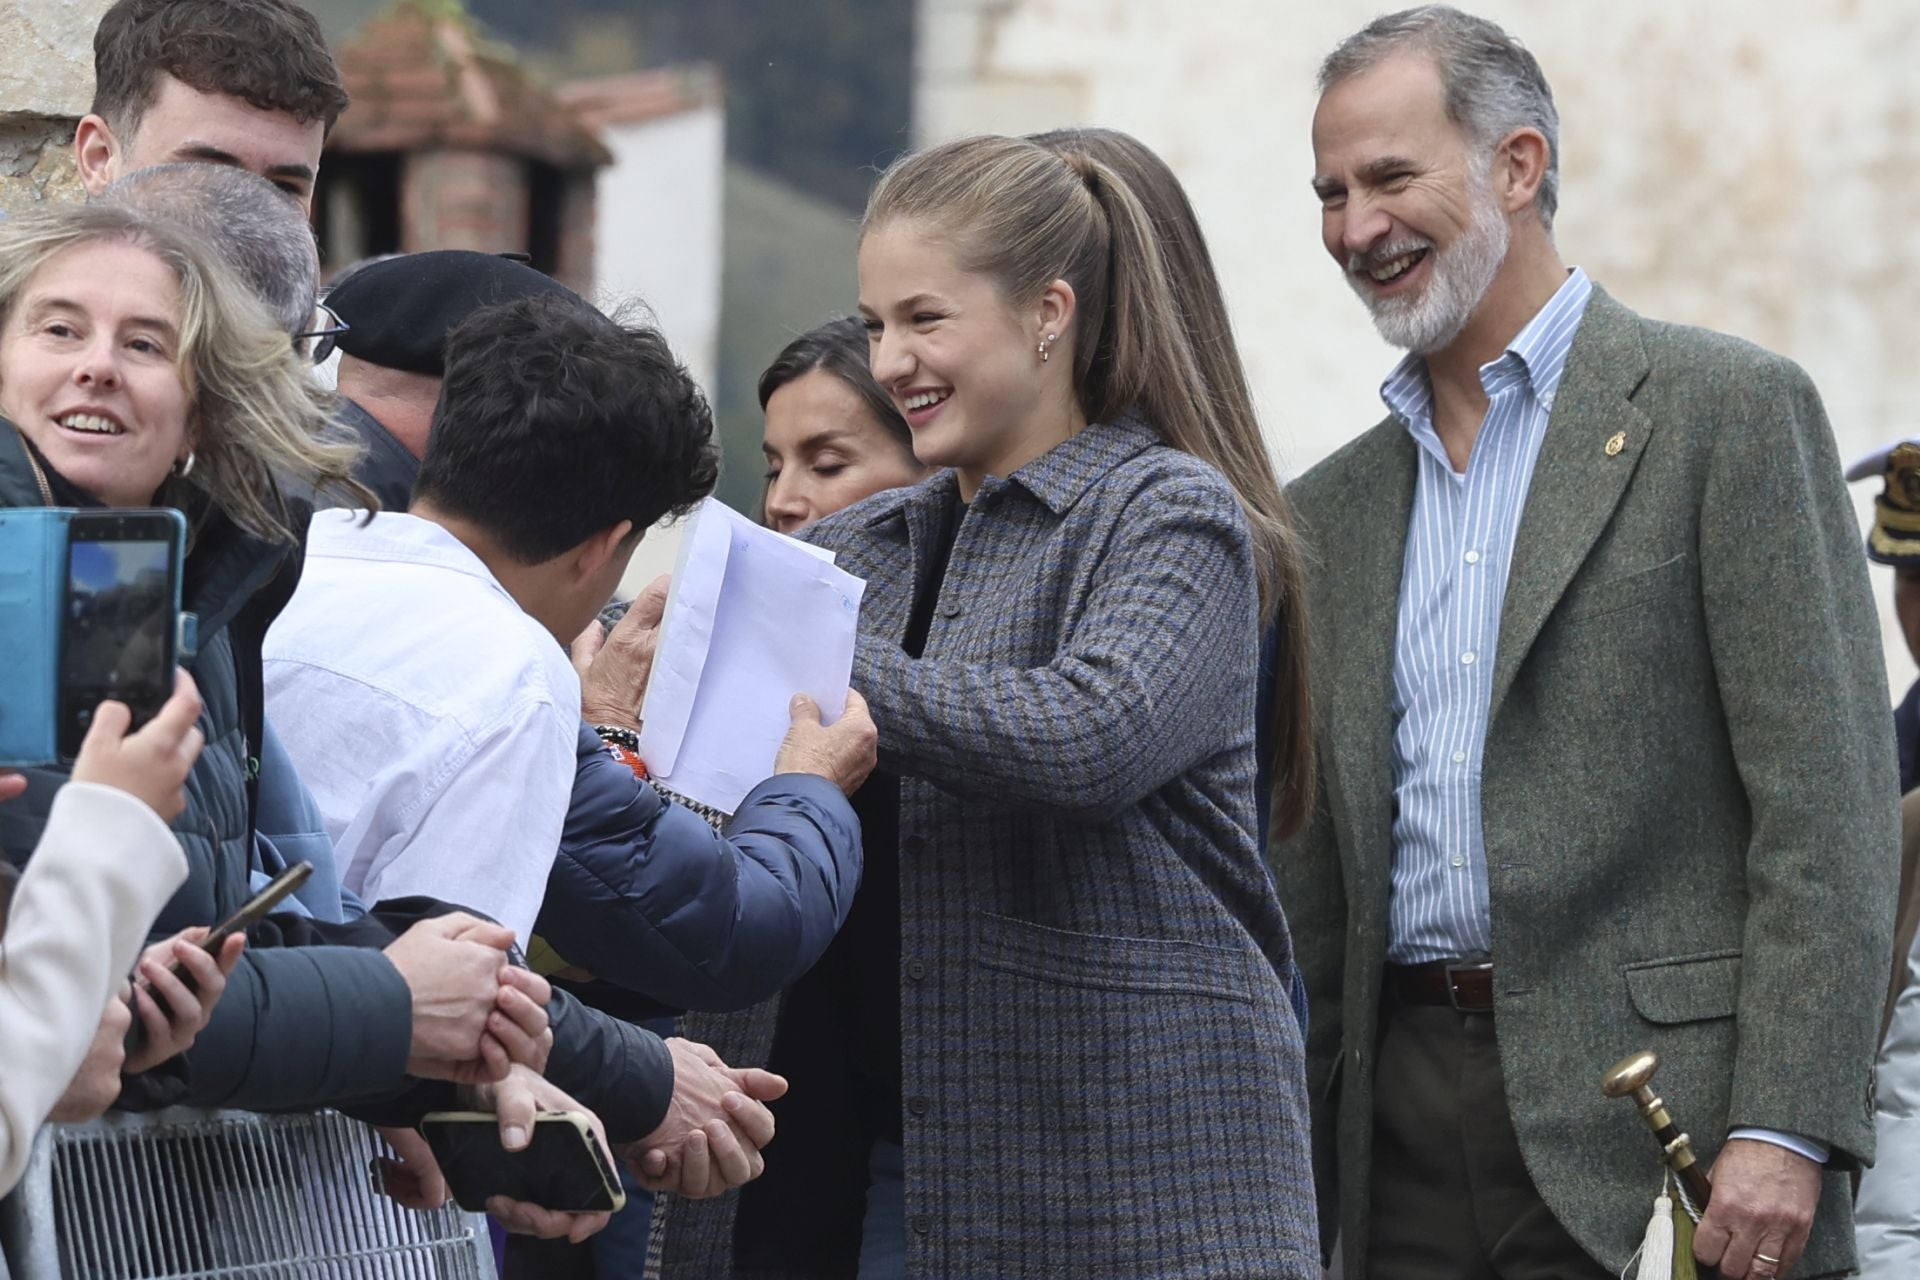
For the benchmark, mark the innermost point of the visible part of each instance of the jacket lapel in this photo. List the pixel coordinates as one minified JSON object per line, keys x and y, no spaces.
{"x":923,"y":511}
{"x":1366,"y":610}
{"x":1595,"y":436}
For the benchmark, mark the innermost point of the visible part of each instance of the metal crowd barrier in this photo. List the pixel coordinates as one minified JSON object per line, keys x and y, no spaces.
{"x":224,"y":1195}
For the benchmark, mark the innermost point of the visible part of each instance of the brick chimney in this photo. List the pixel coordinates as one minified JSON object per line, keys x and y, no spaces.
{"x":449,"y":145}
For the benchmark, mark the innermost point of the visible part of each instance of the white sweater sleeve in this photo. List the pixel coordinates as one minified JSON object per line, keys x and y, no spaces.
{"x":102,"y":871}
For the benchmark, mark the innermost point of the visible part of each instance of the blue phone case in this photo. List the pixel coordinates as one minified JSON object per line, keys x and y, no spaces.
{"x":33,"y":585}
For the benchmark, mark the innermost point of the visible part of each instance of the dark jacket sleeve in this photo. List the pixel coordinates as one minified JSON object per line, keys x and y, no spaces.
{"x":302,"y":1027}
{"x":620,"y":1072}
{"x":646,"y":895}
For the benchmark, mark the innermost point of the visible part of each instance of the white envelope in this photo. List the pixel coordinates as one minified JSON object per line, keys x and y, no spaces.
{"x":752,"y":618}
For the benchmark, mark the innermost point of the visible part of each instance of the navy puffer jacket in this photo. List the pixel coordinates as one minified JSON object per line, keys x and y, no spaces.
{"x":648,"y":897}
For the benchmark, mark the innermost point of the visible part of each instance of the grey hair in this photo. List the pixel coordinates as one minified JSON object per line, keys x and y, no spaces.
{"x":255,"y":226}
{"x":1493,"y":84}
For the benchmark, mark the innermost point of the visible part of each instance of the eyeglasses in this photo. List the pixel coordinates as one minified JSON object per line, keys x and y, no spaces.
{"x":328,"y":335}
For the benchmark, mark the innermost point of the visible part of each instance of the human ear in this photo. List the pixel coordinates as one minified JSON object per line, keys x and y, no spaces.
{"x":95,"y":150}
{"x":1524,"y":156}
{"x":600,"y":549}
{"x":1054,"y":316}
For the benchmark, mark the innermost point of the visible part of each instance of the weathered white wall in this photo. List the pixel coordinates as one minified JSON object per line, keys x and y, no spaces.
{"x":1754,"y":167}
{"x":46,"y":84}
{"x":657,"y":228}
{"x":657,"y":240}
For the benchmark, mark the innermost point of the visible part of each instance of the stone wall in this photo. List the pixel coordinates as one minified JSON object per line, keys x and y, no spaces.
{"x":1753,"y":167}
{"x":46,"y":83}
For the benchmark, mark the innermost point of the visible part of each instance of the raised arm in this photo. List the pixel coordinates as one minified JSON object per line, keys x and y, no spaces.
{"x":1161,"y":660}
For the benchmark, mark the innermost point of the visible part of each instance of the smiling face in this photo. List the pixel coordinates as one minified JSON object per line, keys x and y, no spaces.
{"x":825,"y":451}
{"x":88,"y":373}
{"x":186,"y":126}
{"x":959,"y":361}
{"x":1407,"y":209}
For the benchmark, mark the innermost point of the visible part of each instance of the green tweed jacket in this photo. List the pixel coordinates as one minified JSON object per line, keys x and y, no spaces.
{"x":1689,"y":790}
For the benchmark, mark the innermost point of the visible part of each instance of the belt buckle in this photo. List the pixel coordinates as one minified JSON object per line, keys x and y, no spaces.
{"x":1453,"y":991}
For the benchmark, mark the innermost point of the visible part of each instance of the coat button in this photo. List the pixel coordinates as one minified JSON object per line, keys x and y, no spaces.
{"x":921,"y":1224}
{"x":916,"y":971}
{"x":950,"y":610}
{"x":918,"y":1106}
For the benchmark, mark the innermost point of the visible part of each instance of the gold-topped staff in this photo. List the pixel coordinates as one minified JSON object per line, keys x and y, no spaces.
{"x":1631,"y":1077}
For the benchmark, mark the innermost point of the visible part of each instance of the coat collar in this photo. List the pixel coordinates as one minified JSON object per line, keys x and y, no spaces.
{"x":1059,"y":477}
{"x":1594,"y":441}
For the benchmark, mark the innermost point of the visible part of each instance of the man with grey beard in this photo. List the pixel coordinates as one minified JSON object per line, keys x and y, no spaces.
{"x":1605,"y":755}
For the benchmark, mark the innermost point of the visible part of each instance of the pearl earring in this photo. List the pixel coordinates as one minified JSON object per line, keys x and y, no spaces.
{"x":1046,"y":348}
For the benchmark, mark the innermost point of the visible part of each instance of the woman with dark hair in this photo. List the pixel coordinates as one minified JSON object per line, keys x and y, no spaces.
{"x":832,"y":435}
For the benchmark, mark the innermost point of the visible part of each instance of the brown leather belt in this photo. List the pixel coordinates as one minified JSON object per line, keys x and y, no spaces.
{"x":1466,"y":985}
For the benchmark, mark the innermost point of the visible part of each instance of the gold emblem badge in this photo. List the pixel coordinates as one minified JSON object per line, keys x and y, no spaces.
{"x":1615,"y":443}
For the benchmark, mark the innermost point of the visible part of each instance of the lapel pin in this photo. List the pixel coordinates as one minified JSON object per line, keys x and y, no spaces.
{"x":1615,"y":443}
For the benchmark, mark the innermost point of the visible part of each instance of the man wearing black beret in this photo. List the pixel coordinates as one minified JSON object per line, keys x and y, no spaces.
{"x":395,"y":315}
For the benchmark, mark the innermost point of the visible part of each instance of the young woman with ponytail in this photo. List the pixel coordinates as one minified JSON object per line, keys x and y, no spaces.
{"x":1075,"y":1056}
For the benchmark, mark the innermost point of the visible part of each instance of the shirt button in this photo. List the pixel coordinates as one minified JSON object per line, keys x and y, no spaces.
{"x":916,"y":971}
{"x":1458,"y":860}
{"x":921,"y":1224}
{"x":1466,"y":659}
{"x":918,"y":1106}
{"x":1473,"y":557}
{"x":1459,"y":757}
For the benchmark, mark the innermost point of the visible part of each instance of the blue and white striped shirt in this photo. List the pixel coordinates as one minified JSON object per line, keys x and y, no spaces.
{"x":1459,"y":544}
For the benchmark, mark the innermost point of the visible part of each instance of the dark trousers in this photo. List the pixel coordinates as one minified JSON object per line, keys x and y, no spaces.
{"x":1451,"y":1195}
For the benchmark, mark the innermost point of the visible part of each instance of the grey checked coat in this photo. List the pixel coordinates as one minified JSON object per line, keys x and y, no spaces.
{"x":1101,"y":1072}
{"x":1688,"y":792}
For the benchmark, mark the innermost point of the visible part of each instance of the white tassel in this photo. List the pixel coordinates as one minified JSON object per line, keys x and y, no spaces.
{"x":1656,"y":1250}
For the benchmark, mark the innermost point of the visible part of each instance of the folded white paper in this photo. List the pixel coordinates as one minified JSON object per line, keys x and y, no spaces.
{"x":752,"y":618}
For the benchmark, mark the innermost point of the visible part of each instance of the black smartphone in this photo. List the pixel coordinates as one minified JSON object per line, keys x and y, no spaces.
{"x":118,"y":635}
{"x":262,"y":902}
{"x":563,"y":1166}
{"x":271,"y":895}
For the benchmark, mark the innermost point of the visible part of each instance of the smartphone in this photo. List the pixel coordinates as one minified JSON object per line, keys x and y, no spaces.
{"x":262,"y":902}
{"x":563,"y":1166}
{"x":118,"y":636}
{"x":89,"y":609}
{"x":270,"y":896}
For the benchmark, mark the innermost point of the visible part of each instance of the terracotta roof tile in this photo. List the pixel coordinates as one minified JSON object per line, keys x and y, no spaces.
{"x":640,"y":96}
{"x":422,"y":80}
